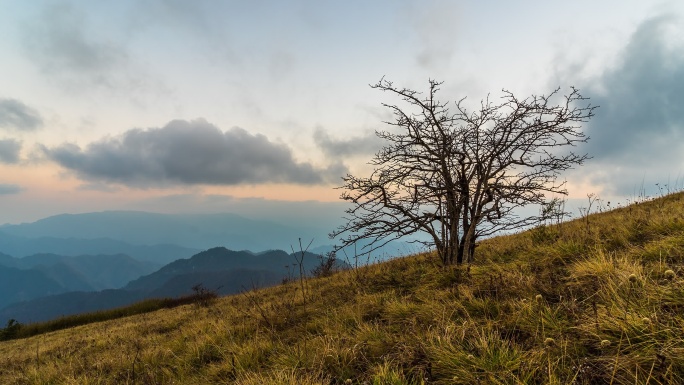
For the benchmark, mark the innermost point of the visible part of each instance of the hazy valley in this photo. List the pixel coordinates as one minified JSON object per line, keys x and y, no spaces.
{"x":69,"y":264}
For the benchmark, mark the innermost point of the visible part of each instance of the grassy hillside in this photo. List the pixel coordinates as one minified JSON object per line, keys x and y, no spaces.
{"x":596,"y":300}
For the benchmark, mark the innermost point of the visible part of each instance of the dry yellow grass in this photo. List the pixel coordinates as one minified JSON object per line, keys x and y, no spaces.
{"x":574,"y":303}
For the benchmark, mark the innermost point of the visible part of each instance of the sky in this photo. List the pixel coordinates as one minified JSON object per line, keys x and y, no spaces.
{"x":248,"y":106}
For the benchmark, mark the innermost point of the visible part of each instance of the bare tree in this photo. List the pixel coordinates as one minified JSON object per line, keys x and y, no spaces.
{"x":458,"y":176}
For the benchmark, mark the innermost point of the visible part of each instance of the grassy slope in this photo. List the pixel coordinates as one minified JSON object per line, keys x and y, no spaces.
{"x":581,"y":303}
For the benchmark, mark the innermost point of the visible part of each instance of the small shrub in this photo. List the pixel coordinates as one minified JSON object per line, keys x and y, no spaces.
{"x":326,"y":267}
{"x":11,"y":330}
{"x":203,"y":296}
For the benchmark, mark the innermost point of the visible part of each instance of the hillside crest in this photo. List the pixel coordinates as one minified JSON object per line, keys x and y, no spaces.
{"x":596,"y":300}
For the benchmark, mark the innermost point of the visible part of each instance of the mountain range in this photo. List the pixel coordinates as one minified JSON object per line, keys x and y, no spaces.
{"x":41,"y":275}
{"x":164,"y":238}
{"x":218,"y":269}
{"x":193,"y":231}
{"x":21,"y":246}
{"x":71,"y":263}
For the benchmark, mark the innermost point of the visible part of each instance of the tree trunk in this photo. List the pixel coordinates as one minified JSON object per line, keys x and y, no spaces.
{"x":459,"y":258}
{"x":453,"y":251}
{"x":471,"y":251}
{"x":468,"y":244}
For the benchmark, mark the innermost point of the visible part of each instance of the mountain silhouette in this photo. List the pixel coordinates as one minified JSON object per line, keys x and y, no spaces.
{"x":218,"y":269}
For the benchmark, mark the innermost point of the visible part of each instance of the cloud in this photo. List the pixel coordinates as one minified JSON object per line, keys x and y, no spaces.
{"x":368,"y":144}
{"x":638,"y":131}
{"x":101,"y":187}
{"x":436,"y":26}
{"x":67,"y":48}
{"x":9,"y":151}
{"x":189,"y":152}
{"x":9,"y":189}
{"x":18,"y":116}
{"x":202,"y":22}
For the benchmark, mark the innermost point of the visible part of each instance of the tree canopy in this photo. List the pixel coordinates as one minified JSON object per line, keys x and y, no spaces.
{"x":459,"y":175}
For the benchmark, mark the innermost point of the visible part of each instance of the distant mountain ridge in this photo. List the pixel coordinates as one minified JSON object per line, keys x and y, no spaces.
{"x":41,"y":275}
{"x":100,"y":271}
{"x":220,"y":269}
{"x":196,"y":231}
{"x":172,"y":241}
{"x":164,"y":238}
{"x":20,"y":246}
{"x":22,"y":285}
{"x":223,"y":259}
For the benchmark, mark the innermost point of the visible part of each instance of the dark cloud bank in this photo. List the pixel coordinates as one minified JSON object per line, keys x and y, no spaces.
{"x":16,"y":115}
{"x":637,"y":135}
{"x":189,"y":152}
